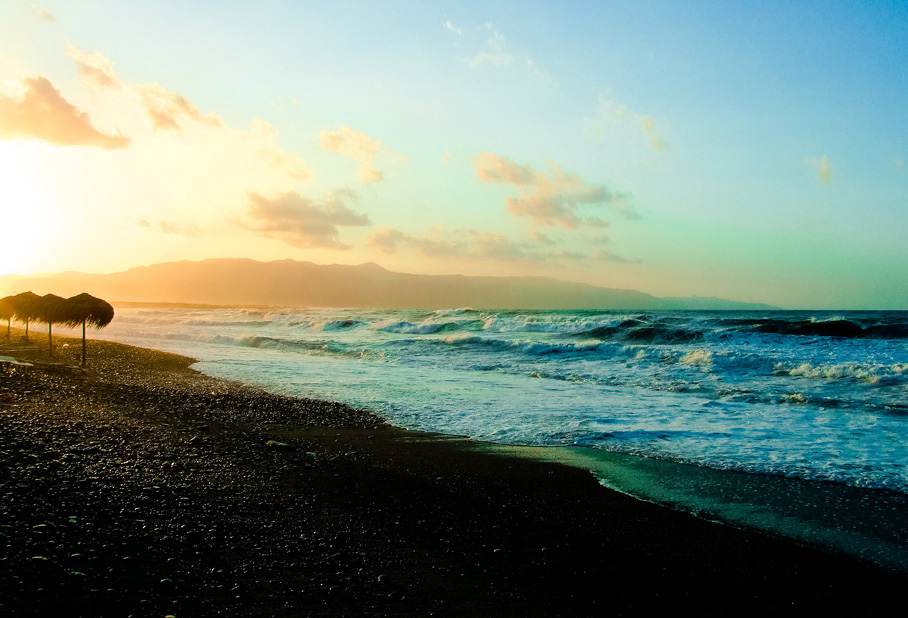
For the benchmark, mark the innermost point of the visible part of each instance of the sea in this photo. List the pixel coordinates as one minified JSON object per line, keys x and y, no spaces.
{"x":795,"y":422}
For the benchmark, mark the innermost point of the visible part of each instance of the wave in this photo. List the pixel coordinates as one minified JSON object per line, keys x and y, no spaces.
{"x":859,"y":372}
{"x":421,"y":328}
{"x":240,"y":323}
{"x":333,"y":325}
{"x":558,"y":324}
{"x":452,"y":312}
{"x":835,"y":326}
{"x":530,"y":348}
{"x":638,"y":332}
{"x":277,"y":343}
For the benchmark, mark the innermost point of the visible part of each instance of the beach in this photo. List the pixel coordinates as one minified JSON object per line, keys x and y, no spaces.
{"x":140,"y":487}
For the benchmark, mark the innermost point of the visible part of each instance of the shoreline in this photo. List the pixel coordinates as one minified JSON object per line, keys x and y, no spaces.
{"x":865,"y":523}
{"x":141,"y":486}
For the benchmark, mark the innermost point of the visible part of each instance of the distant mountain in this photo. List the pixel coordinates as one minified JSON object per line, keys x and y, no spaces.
{"x":304,"y":284}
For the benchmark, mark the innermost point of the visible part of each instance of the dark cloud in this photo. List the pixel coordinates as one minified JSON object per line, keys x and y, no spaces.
{"x":470,"y":244}
{"x":303,"y":222}
{"x":552,"y":198}
{"x":392,"y":240}
{"x":607,"y":256}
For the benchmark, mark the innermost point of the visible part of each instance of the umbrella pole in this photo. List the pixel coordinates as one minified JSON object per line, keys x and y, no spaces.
{"x":50,"y":339}
{"x":26,"y":331}
{"x":83,"y":343}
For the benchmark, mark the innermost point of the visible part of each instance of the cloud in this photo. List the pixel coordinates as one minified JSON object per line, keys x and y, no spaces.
{"x":252,"y":156}
{"x":490,"y":246}
{"x":166,"y":108}
{"x":825,"y":173}
{"x":898,"y":162}
{"x":494,"y":169}
{"x":168,"y":227}
{"x":823,"y":167}
{"x":649,"y":127}
{"x":392,"y":240}
{"x":95,"y":69}
{"x":601,"y":255}
{"x":495,"y":55}
{"x":470,"y":244}
{"x":442,"y":243}
{"x":43,"y":13}
{"x":552,"y":198}
{"x":303,"y":222}
{"x":356,"y":144}
{"x":449,"y":26}
{"x":267,"y":150}
{"x":541,"y":238}
{"x":41,"y":112}
{"x":613,"y":115}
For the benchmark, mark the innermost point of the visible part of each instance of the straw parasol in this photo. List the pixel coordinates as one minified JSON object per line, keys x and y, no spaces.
{"x":25,"y":307}
{"x":6,"y":312}
{"x":86,"y":309}
{"x":50,"y":309}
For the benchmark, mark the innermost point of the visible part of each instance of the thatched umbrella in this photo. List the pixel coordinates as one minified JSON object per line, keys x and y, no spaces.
{"x":25,"y":308}
{"x":86,"y":309}
{"x":6,"y":312}
{"x":51,"y":309}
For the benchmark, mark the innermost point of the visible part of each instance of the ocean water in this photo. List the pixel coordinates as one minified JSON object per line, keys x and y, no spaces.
{"x":795,"y":423}
{"x":807,"y":395}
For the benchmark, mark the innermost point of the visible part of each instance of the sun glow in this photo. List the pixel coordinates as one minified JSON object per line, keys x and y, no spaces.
{"x":30,"y":218}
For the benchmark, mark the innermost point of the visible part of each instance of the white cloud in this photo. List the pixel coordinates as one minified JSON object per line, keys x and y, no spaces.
{"x":362,"y":148}
{"x":612,"y":116}
{"x":95,"y":69}
{"x":495,"y":54}
{"x":166,"y":227}
{"x":43,"y":13}
{"x":449,"y":26}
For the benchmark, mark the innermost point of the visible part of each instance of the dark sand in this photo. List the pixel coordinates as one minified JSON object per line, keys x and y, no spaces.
{"x":138,"y":487}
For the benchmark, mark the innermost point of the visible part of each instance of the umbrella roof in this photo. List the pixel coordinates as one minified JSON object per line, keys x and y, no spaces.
{"x":50,"y":308}
{"x":6,"y":307}
{"x":25,"y":305}
{"x":87,"y":308}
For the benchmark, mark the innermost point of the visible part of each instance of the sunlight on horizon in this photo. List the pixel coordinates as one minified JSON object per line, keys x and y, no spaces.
{"x":31,"y":217}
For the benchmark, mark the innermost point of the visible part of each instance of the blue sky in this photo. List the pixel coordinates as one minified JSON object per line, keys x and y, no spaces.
{"x":753,"y":151}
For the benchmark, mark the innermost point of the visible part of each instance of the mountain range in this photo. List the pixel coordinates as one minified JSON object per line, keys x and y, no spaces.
{"x":289,"y":283}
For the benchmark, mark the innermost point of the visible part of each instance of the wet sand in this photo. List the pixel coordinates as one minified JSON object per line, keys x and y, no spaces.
{"x":139,"y":487}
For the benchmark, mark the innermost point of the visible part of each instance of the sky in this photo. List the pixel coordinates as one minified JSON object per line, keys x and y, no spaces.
{"x":747,"y":150}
